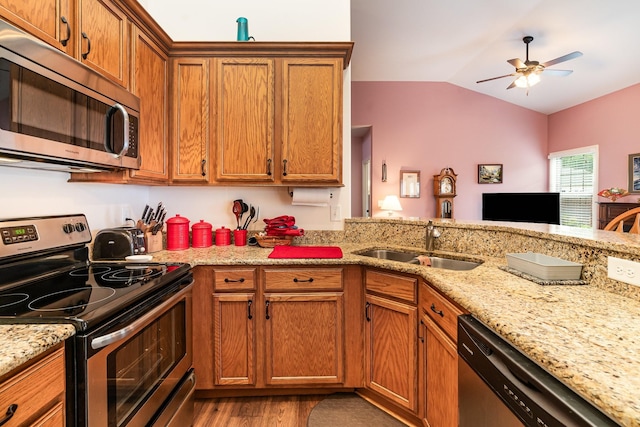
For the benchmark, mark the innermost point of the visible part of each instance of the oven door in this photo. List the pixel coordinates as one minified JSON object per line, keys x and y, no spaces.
{"x":138,"y":365}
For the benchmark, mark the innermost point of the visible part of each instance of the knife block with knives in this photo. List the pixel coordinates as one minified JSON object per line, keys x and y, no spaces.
{"x":152,"y":223}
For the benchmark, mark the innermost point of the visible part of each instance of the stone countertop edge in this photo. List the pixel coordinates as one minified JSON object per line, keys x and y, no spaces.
{"x":20,"y":343}
{"x":580,"y":334}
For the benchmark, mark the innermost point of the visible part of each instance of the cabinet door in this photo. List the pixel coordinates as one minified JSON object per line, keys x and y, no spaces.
{"x":103,"y":39}
{"x":440,"y":367}
{"x":244,"y":90}
{"x":391,"y":347}
{"x":190,"y":120}
{"x":311,"y":120}
{"x":304,"y":337}
{"x":150,"y":83}
{"x":235,"y":338}
{"x":49,"y":20}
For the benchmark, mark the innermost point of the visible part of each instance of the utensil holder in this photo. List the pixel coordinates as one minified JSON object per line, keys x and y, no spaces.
{"x":153,"y":241}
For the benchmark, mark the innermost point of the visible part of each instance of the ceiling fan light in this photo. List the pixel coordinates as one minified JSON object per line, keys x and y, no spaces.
{"x":528,"y":80}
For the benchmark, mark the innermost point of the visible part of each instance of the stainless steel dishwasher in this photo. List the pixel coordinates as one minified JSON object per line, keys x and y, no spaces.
{"x":500,"y":386}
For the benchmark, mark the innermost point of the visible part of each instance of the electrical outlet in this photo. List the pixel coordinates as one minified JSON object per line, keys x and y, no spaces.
{"x":623,"y":270}
{"x":335,"y":213}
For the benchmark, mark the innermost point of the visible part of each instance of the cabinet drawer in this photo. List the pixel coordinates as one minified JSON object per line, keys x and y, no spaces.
{"x":302,"y":279}
{"x":443,"y":313}
{"x":26,"y":389}
{"x":392,"y":285}
{"x":232,"y":279}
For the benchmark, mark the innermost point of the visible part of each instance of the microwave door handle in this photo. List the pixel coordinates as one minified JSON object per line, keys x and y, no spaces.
{"x":125,"y":133}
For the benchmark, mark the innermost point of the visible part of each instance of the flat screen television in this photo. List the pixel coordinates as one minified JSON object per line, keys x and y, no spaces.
{"x":521,"y":207}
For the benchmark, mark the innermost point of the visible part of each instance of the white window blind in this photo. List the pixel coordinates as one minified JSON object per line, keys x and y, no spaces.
{"x":573,"y":173}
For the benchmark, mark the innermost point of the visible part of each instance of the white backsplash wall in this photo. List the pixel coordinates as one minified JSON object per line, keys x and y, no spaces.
{"x":27,"y":193}
{"x":214,"y":205}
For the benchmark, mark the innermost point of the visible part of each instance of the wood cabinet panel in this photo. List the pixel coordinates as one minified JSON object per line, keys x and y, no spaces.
{"x":25,"y":389}
{"x":235,"y":338}
{"x":443,"y":312}
{"x":190,"y":120}
{"x":235,"y":279}
{"x":609,"y":210}
{"x":150,"y":82}
{"x":312,"y":120}
{"x":304,"y":336}
{"x":441,"y":376}
{"x":103,"y":39}
{"x":303,"y":279}
{"x":49,"y":20}
{"x":392,"y":285}
{"x":391,"y":346}
{"x":245,"y":108}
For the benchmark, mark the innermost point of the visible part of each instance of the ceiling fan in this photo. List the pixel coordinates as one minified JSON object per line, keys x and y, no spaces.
{"x":528,"y":72}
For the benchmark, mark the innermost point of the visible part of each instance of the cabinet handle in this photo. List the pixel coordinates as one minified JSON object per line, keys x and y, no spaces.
{"x":284,"y":167}
{"x":269,"y":167}
{"x":309,"y":280}
{"x":439,"y":312}
{"x":202,"y":164}
{"x":10,"y":411}
{"x":421,"y":337}
{"x":267,"y":309}
{"x":240,"y":280}
{"x":249,"y":315}
{"x":85,"y":54}
{"x":64,"y":42}
{"x":367,"y":306}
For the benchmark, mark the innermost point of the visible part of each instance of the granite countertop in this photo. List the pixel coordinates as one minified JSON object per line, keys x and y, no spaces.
{"x":20,"y":343}
{"x":583,"y":335}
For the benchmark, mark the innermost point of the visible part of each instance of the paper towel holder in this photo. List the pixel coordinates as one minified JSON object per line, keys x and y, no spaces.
{"x":290,"y":191}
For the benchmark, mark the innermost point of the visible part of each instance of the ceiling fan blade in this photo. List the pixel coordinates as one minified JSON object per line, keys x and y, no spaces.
{"x":560,"y":73}
{"x":512,"y":85}
{"x":495,"y":78}
{"x":563,"y":58}
{"x":517,"y":62}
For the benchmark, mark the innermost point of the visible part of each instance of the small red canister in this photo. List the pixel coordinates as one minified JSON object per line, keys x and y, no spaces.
{"x":201,"y":234}
{"x":177,"y":233}
{"x":223,"y":236}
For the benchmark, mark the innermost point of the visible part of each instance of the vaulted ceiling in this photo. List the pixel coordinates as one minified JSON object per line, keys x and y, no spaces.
{"x":463,"y":41}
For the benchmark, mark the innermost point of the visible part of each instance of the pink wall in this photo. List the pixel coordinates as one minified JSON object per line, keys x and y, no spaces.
{"x":427,"y":126}
{"x":612,"y":122}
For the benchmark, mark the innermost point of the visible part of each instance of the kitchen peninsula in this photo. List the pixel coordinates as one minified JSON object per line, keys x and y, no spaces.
{"x":584,"y":335}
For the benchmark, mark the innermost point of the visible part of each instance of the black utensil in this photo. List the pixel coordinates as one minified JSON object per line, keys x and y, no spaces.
{"x":252,"y":214}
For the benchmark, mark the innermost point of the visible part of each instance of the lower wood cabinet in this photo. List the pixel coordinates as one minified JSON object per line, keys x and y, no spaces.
{"x":391,"y":341}
{"x":438,"y":358}
{"x":38,"y":391}
{"x":277,"y":327}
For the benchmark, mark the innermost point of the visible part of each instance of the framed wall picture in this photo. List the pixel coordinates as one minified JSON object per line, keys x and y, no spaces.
{"x":634,"y":173}
{"x":409,"y":183}
{"x":490,"y":174}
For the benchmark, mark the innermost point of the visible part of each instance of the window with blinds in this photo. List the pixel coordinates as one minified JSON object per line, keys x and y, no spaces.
{"x":573,"y":173}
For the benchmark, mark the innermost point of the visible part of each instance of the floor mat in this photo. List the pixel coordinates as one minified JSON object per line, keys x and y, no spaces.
{"x":347,"y":409}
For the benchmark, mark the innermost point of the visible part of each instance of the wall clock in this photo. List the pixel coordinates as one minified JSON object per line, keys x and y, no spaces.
{"x":444,"y":190}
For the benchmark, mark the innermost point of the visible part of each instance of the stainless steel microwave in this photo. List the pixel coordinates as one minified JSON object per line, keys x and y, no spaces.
{"x":58,"y":114}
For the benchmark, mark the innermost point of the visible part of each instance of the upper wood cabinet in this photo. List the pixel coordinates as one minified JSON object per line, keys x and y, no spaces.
{"x":49,"y":20}
{"x":278,"y":120}
{"x":190,"y":120}
{"x":244,"y":119}
{"x":103,"y":39}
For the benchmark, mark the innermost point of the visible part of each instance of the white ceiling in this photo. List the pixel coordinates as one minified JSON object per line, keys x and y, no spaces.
{"x":463,"y":41}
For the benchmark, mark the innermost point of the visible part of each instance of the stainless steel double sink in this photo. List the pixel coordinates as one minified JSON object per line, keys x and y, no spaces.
{"x":412,"y":258}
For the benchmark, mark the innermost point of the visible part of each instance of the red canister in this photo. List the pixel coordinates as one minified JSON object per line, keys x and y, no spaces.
{"x":223,"y":236}
{"x":177,"y":233}
{"x":201,"y":234}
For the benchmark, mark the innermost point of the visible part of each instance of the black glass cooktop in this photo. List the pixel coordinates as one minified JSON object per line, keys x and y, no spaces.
{"x":59,"y":291}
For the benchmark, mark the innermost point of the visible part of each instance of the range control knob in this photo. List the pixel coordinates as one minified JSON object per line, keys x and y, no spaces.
{"x":68,"y":228}
{"x":80,"y":227}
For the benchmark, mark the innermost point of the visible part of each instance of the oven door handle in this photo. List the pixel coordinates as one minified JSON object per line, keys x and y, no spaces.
{"x":125,"y":132}
{"x":120,"y":334}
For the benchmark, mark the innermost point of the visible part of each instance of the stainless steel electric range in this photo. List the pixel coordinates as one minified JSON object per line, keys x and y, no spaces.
{"x":130,"y":361}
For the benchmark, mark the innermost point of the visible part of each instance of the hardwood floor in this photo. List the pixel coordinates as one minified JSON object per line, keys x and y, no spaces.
{"x":272,"y":411}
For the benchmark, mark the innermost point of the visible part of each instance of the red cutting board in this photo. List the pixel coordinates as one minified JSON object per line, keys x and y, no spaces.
{"x":306,"y":252}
